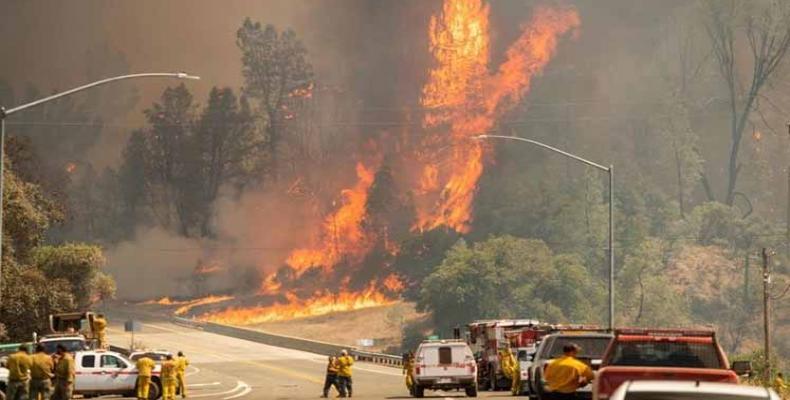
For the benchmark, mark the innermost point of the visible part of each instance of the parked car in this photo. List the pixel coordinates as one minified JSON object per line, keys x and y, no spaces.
{"x":690,"y":390}
{"x":444,"y":365}
{"x":593,"y":346}
{"x":102,"y":372}
{"x":662,"y":354}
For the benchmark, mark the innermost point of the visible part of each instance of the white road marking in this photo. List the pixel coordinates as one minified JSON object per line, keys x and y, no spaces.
{"x":244,"y":392}
{"x":239,"y":385}
{"x":196,"y":370}
{"x":203,"y":384}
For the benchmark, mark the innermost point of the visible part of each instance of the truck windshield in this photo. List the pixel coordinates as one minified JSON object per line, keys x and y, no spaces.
{"x":666,"y":354}
{"x":592,"y":347}
{"x":71,"y":346}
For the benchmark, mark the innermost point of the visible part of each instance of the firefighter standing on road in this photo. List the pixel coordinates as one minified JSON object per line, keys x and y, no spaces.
{"x":100,"y":330}
{"x":408,"y":370}
{"x":64,"y":375}
{"x":344,"y":364}
{"x":145,"y":367}
{"x":331,"y":376}
{"x":169,"y":372}
{"x":566,"y":374}
{"x":181,"y":370}
{"x":41,"y":375}
{"x":18,"y":365}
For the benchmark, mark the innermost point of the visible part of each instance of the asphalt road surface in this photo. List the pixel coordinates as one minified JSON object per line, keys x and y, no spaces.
{"x":225,"y":368}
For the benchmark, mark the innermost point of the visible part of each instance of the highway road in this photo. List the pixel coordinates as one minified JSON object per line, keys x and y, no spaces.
{"x":225,"y":368}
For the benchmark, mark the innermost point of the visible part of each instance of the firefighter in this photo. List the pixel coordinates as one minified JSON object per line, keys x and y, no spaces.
{"x":181,"y":370}
{"x":331,"y":376}
{"x":41,"y":375}
{"x":145,"y":366}
{"x":169,"y":380}
{"x":64,"y":375}
{"x":100,"y":331}
{"x":779,"y":383}
{"x":565,"y":375}
{"x":18,"y":365}
{"x":408,"y":370}
{"x":344,"y":364}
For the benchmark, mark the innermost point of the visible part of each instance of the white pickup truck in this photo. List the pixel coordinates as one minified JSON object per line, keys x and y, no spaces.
{"x":100,"y":372}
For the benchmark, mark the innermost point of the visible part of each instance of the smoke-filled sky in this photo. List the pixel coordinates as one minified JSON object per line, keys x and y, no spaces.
{"x":377,"y":49}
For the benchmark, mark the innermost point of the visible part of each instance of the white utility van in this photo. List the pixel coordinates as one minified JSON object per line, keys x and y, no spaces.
{"x":444,"y":365}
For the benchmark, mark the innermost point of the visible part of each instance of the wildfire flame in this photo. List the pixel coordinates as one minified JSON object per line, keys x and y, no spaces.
{"x":462,"y":98}
{"x":321,"y":304}
{"x":200,"y":302}
{"x":341,"y":235}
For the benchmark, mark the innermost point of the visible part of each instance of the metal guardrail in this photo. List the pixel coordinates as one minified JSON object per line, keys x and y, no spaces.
{"x":377,"y":358}
{"x":290,"y":342}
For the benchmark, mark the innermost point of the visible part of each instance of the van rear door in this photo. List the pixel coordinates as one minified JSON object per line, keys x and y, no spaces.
{"x":447,"y":360}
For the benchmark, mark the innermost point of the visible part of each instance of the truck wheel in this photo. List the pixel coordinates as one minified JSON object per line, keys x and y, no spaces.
{"x":419,"y":391}
{"x":471,"y":391}
{"x":155,"y":390}
{"x":492,"y":381}
{"x":540,"y":394}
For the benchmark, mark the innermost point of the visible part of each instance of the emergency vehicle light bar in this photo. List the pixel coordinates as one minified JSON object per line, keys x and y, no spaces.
{"x":666,"y":332}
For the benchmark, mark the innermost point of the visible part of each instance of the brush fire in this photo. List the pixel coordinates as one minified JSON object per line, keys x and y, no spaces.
{"x":463,"y":96}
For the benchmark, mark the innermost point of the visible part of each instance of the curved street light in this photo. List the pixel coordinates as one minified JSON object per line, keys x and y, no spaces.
{"x":6,"y":112}
{"x":610,"y":171}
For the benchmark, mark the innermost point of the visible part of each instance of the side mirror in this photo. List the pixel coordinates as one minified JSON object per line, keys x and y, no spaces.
{"x":741,"y":367}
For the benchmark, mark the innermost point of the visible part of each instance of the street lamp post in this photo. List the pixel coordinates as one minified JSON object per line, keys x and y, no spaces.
{"x":610,"y":172}
{"x":6,"y":112}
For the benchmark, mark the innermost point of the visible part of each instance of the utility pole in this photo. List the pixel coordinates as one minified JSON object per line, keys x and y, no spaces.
{"x":767,"y":314}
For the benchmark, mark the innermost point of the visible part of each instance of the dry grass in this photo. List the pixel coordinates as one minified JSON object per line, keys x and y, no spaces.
{"x":382,"y":324}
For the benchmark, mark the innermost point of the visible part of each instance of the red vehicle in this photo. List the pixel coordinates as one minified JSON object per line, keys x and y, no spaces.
{"x":661,"y":354}
{"x":486,"y":338}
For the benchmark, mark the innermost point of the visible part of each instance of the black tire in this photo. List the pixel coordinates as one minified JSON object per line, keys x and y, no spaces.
{"x":492,"y":381}
{"x":419,"y":391}
{"x":155,"y":390}
{"x":540,"y":394}
{"x":471,"y":391}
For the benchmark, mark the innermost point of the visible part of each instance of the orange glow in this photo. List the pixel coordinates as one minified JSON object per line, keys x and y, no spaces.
{"x":321,"y":304}
{"x":463,"y":100}
{"x":393,"y":283}
{"x":341,"y":237}
{"x":270,"y":285}
{"x":200,"y":302}
{"x":164,"y":301}
{"x":71,"y":167}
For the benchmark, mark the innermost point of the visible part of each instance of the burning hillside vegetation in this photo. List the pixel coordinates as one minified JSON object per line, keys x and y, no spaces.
{"x":346,"y":263}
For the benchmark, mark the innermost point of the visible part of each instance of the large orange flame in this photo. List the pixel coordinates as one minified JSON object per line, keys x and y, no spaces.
{"x":341,"y":237}
{"x":464,"y":100}
{"x":321,"y":304}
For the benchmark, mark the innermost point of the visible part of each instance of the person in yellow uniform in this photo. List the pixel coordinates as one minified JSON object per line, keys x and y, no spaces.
{"x":331,"y":376}
{"x":408,"y":370}
{"x":181,"y":370}
{"x":100,"y":330}
{"x":41,"y":374}
{"x":779,"y":383}
{"x":344,"y":364}
{"x":64,"y":375}
{"x":145,"y":366}
{"x":566,"y":374}
{"x":18,"y":365}
{"x":169,"y":380}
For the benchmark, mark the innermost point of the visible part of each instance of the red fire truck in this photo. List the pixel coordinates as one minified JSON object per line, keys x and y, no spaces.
{"x":487,"y":337}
